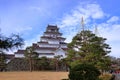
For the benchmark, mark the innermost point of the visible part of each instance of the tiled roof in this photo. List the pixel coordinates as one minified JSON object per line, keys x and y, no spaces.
{"x":9,"y":56}
{"x":43,"y":42}
{"x":45,"y":48}
{"x":63,"y":43}
{"x":48,"y":37}
{"x":35,"y":46}
{"x":52,"y":33}
{"x":49,"y":48}
{"x":61,"y":38}
{"x":52,"y":27}
{"x":65,"y":49}
{"x":20,"y":52}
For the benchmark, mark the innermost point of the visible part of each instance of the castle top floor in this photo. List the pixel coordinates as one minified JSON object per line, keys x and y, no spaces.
{"x":52,"y":28}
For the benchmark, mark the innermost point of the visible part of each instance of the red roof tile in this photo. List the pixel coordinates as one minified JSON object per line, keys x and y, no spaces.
{"x":45,"y":48}
{"x":48,"y":37}
{"x":53,"y":33}
{"x":20,"y":52}
{"x":52,"y":27}
{"x":43,"y":42}
{"x":9,"y":56}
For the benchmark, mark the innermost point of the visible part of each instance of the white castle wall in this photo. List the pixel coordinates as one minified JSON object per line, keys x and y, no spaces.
{"x":48,"y":56}
{"x":60,"y":52}
{"x":43,"y":51}
{"x":19,"y":55}
{"x":53,"y":45}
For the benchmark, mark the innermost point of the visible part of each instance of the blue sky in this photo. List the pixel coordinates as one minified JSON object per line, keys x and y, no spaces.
{"x":30,"y":18}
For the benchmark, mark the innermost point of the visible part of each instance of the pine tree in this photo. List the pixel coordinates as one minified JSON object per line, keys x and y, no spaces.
{"x":31,"y":56}
{"x":2,"y":61}
{"x":86,"y":47}
{"x":8,"y":43}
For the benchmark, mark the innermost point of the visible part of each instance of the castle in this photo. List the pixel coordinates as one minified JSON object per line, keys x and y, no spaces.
{"x":50,"y":45}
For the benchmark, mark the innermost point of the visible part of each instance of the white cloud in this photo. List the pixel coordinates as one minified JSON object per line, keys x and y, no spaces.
{"x":7,"y":30}
{"x":115,"y":51}
{"x":83,"y":10}
{"x":70,"y":23}
{"x":113,"y":19}
{"x":41,"y":10}
{"x":110,"y":29}
{"x":91,"y":10}
{"x":34,"y":40}
{"x":35,"y":8}
{"x":22,"y":29}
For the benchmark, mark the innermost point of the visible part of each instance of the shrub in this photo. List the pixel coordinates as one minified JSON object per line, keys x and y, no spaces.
{"x":84,"y":72}
{"x":106,"y":77}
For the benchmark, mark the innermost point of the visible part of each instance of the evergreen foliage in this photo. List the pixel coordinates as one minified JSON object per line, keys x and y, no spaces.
{"x":31,"y":56}
{"x":86,"y":47}
{"x":8,"y":43}
{"x":14,"y":41}
{"x":83,"y":72}
{"x":43,"y":63}
{"x":2,"y":61}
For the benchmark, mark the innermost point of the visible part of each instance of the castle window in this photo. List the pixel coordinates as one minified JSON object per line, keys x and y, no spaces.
{"x":53,"y":30}
{"x":49,"y":30}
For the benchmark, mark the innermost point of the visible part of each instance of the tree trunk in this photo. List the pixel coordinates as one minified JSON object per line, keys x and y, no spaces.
{"x":30,"y":62}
